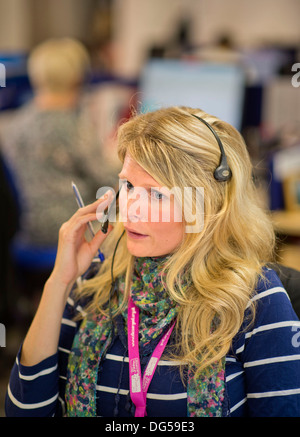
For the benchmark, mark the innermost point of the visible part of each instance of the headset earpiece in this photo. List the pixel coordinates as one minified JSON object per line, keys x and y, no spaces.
{"x":223,"y":172}
{"x":107,"y":211}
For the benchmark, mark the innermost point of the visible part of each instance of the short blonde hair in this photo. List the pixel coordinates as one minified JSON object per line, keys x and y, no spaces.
{"x":58,"y":64}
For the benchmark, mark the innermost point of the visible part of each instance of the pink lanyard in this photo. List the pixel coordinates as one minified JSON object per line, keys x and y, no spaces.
{"x":138,"y":385}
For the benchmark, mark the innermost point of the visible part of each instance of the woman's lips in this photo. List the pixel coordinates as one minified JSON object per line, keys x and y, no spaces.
{"x":135,"y":235}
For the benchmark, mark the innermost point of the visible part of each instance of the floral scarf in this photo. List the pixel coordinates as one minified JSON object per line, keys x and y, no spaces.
{"x":205,"y":395}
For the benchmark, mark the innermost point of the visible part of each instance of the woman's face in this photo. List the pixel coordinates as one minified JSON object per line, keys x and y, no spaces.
{"x":151,"y":216}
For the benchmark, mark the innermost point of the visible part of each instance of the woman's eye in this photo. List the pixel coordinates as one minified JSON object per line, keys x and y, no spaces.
{"x":129,"y":186}
{"x":157,"y":195}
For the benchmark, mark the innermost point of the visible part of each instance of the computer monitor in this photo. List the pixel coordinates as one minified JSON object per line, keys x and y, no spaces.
{"x":216,"y":88}
{"x":17,"y":89}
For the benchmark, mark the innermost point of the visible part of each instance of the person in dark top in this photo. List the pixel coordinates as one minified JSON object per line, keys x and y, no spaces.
{"x":51,"y":141}
{"x":9,"y":223}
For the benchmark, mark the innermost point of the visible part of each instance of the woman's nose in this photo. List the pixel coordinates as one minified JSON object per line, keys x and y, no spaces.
{"x":135,"y":205}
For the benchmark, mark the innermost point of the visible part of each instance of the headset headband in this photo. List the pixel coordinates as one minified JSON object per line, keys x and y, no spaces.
{"x":223,"y":172}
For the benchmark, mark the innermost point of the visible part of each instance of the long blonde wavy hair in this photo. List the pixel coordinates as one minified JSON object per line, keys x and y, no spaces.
{"x":224,"y":259}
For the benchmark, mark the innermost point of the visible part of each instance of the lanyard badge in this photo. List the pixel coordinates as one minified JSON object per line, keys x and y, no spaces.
{"x":139,"y":385}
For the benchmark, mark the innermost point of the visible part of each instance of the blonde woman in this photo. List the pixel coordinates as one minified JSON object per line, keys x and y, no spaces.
{"x":182,"y":318}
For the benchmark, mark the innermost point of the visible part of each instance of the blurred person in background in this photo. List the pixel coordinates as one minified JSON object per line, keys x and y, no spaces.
{"x":50,"y":142}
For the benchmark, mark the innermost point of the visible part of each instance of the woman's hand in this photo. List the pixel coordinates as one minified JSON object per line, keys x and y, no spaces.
{"x":74,"y":255}
{"x":74,"y":252}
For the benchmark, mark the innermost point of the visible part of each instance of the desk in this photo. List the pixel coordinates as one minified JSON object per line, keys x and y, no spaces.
{"x":286,"y":222}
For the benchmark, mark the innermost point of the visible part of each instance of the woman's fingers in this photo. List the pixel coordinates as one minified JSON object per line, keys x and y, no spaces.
{"x":74,"y":228}
{"x":99,"y":205}
{"x":70,"y":229}
{"x":98,"y":239}
{"x":74,"y":252}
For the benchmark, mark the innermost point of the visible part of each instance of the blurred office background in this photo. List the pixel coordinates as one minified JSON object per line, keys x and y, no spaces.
{"x":233,"y":58}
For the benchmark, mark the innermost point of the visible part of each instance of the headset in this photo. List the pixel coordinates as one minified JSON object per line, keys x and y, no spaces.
{"x":107,"y":211}
{"x":222,"y":173}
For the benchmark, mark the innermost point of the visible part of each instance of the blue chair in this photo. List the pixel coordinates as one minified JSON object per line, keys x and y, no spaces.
{"x":33,"y":258}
